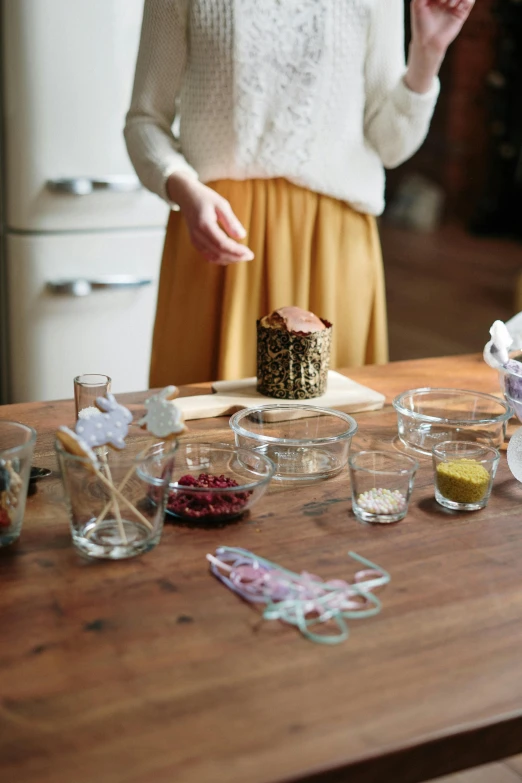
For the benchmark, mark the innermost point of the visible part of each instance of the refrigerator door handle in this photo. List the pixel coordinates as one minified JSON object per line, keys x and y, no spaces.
{"x":84,"y":186}
{"x":82,"y":287}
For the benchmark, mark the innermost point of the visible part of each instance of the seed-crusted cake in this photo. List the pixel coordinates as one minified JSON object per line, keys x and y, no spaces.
{"x":293,"y":354}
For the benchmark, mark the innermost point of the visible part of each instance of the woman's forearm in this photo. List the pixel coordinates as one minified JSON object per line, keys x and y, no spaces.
{"x":423,"y":67}
{"x":434,"y":26}
{"x":159,"y":70}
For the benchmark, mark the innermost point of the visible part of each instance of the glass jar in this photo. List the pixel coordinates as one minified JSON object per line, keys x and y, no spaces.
{"x":16,"y":454}
{"x":116,"y":506}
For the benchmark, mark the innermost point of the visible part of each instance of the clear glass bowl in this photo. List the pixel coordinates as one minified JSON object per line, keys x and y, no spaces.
{"x":303,"y":441}
{"x":227,"y":466}
{"x":382,"y":483}
{"x":429,"y":416}
{"x":16,"y":453}
{"x":516,"y":405}
{"x":464,"y":474}
{"x":511,"y":383}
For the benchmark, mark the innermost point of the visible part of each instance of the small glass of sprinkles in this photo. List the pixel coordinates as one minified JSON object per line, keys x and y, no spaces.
{"x":382,"y":483}
{"x":464,"y":474}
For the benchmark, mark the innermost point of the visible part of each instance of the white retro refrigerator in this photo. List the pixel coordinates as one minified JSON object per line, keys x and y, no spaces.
{"x":81,"y":240}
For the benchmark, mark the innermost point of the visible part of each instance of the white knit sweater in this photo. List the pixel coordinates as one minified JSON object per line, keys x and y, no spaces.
{"x":309,"y":90}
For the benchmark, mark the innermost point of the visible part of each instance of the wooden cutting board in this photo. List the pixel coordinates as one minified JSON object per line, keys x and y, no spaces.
{"x":232,"y":396}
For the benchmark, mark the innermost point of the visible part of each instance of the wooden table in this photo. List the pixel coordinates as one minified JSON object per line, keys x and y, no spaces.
{"x":150,"y":671}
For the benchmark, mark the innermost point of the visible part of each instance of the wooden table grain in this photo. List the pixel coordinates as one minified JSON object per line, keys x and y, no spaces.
{"x":150,"y":671}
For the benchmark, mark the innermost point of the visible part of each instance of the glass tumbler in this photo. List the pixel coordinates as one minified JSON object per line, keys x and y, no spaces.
{"x":382,"y":483}
{"x":116,"y":505}
{"x":464,"y":474}
{"x":16,"y":453}
{"x":87,"y":388}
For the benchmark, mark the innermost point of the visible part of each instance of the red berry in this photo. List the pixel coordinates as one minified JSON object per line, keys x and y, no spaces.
{"x":206,"y":504}
{"x":5,"y":520}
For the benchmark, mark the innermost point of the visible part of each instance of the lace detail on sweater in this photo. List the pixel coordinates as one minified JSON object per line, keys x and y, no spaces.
{"x":279,"y":49}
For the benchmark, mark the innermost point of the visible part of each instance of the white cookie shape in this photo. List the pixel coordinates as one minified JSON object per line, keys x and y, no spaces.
{"x":163,"y":418}
{"x":514,"y":454}
{"x":75,"y":445}
{"x":109,"y":428}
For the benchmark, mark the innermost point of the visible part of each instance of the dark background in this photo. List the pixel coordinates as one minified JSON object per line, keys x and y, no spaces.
{"x":447,"y":286}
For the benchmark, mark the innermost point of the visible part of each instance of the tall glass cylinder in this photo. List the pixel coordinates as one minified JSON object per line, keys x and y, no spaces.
{"x":87,"y":388}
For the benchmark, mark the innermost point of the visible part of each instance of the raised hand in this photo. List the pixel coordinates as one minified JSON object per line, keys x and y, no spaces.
{"x":436,"y":23}
{"x":434,"y":26}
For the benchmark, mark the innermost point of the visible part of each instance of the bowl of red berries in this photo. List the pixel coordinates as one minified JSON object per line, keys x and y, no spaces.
{"x":214,"y":482}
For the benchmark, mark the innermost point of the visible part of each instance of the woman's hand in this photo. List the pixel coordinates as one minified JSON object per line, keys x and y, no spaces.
{"x":435,"y":25}
{"x":211,"y":222}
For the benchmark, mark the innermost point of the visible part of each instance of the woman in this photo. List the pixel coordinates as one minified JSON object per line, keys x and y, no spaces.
{"x":289,"y":112}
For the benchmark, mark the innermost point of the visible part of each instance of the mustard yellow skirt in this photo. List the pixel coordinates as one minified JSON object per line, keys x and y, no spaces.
{"x":310,"y":250}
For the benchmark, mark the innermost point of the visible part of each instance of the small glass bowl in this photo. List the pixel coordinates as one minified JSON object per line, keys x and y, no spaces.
{"x":430,"y":416}
{"x":464,"y":474}
{"x":226,"y":465}
{"x":303,"y":441}
{"x":382,"y":483}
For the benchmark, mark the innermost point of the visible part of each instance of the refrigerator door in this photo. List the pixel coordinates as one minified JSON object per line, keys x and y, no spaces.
{"x":68,"y":73}
{"x":81,"y":304}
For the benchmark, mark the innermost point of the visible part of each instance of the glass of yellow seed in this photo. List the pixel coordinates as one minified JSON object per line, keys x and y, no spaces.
{"x":464,"y":474}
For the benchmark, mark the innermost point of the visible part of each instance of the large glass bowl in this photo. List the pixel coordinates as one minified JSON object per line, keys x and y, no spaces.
{"x":236,"y":479}
{"x":303,"y":441}
{"x":428,"y":416}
